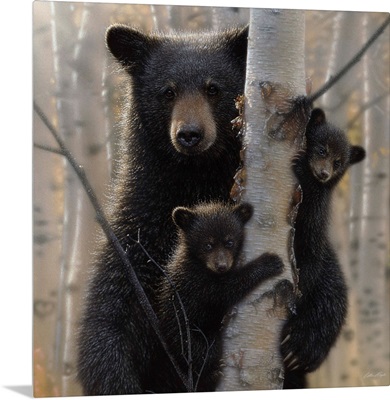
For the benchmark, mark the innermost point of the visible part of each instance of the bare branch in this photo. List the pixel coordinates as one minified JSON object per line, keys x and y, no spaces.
{"x":208,"y":347}
{"x":127,"y":267}
{"x":351,"y":63}
{"x":186,"y":321}
{"x":364,"y":108}
{"x":49,"y":148}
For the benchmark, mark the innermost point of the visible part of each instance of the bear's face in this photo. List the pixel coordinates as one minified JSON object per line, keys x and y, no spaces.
{"x":217,"y":252}
{"x":213,"y":233}
{"x":328,"y":150}
{"x":190,"y":83}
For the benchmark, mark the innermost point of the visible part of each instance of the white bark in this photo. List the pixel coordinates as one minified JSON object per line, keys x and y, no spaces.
{"x":342,"y":365}
{"x":79,"y":117}
{"x":373,"y":298}
{"x":227,"y":17}
{"x":360,"y":205}
{"x":276,"y":55}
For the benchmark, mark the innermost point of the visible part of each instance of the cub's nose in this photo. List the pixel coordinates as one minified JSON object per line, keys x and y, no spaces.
{"x":221,"y":268}
{"x":324,"y":174}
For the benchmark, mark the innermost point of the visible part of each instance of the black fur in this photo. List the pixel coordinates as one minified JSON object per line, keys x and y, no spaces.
{"x":205,"y":274}
{"x":321,"y":311}
{"x":161,"y":166}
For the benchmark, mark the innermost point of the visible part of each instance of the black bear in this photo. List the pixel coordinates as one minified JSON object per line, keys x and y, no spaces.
{"x":177,"y":148}
{"x":321,"y":310}
{"x":205,"y":279}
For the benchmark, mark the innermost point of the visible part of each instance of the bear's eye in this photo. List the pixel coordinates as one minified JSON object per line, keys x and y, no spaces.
{"x":208,"y":246}
{"x":169,"y":93}
{"x":337,"y":164}
{"x":321,"y":151}
{"x":212,"y":90}
{"x":229,"y":244}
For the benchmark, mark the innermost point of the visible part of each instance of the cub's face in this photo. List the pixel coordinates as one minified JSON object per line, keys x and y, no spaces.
{"x":328,"y":150}
{"x":328,"y":156}
{"x":213,"y":233}
{"x":219,"y":252}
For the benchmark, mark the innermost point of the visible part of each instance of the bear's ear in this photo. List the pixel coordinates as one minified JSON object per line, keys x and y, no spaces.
{"x":317,"y":117}
{"x":129,"y":46}
{"x":356,"y":154}
{"x":244,"y":212}
{"x":238,"y":42}
{"x":183,"y":217}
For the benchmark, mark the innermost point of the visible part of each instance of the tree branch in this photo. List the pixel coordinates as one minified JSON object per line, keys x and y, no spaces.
{"x":351,"y":63}
{"x":186,"y":321}
{"x":49,"y":148}
{"x":127,"y":267}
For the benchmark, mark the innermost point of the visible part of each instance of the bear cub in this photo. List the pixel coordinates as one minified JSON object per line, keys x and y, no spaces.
{"x":205,"y":281}
{"x":321,"y":310}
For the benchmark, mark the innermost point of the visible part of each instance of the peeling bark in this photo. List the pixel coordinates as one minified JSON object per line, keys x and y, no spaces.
{"x":274,"y":124}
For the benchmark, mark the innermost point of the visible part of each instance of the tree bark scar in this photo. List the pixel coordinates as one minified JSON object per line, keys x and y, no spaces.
{"x":288,"y":114}
{"x":283,"y":299}
{"x":296,"y":200}
{"x":238,"y":123}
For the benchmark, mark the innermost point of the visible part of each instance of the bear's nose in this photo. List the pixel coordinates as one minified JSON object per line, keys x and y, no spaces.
{"x":221,"y":267}
{"x":324,"y":174}
{"x":189,"y":136}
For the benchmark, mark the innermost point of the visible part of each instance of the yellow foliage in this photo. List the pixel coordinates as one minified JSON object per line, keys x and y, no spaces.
{"x":44,"y":385}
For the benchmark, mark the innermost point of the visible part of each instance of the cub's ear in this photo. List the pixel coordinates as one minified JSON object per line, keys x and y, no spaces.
{"x":129,"y":46}
{"x":244,"y":212}
{"x":356,"y":154}
{"x":183,"y":217}
{"x":317,"y":117}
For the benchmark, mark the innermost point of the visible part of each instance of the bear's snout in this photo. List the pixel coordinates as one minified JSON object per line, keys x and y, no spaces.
{"x":189,"y":135}
{"x":220,"y":260}
{"x":193,"y":128}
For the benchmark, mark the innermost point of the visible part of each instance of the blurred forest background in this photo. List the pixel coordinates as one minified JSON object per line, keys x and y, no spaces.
{"x":77,"y":85}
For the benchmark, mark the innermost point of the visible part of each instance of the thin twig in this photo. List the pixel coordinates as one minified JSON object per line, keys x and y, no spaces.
{"x":48,"y":148}
{"x":180,"y":330}
{"x":208,"y":347}
{"x":186,"y":320}
{"x":364,"y":108}
{"x":350,"y":64}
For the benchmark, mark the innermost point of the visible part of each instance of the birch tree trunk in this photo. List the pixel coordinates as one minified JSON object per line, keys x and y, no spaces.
{"x":273,"y":133}
{"x":227,"y":17}
{"x":80,"y":116}
{"x":373,"y":257}
{"x":342,"y":365}
{"x":359,"y":105}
